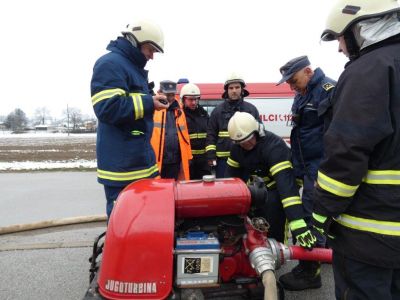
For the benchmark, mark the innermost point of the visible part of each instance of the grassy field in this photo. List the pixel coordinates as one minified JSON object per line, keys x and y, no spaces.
{"x":46,"y":149}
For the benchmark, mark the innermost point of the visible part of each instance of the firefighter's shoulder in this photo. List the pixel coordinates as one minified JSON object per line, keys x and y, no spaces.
{"x":328,"y":86}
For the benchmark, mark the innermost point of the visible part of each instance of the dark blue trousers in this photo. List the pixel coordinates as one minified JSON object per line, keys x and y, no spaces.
{"x":220,"y":168}
{"x":355,"y":280}
{"x":112,"y":193}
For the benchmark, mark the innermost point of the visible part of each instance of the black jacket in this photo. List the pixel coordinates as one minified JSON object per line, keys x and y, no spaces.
{"x":270,"y":160}
{"x":218,"y":143}
{"x":359,"y":176}
{"x":197,"y":121}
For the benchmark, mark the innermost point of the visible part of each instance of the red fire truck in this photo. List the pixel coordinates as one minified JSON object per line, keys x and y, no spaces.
{"x":273,"y":103}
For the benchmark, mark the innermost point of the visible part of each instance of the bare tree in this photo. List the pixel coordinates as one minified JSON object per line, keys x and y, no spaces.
{"x":16,"y":120}
{"x":73,"y":116}
{"x":42,"y":114}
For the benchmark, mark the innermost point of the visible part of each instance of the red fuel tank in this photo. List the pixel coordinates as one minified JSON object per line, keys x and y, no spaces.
{"x":198,"y":198}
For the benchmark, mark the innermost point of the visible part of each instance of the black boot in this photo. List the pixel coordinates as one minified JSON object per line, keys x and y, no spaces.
{"x":306,"y":275}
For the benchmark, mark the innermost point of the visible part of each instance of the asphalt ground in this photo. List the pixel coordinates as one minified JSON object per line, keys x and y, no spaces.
{"x":53,"y":263}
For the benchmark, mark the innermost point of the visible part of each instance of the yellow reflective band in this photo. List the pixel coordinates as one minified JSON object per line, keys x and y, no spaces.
{"x":281,"y":166}
{"x":126,"y":176}
{"x":375,"y":226}
{"x":299,"y":182}
{"x":291,"y":201}
{"x":197,"y":136}
{"x":382,"y":177}
{"x":137,"y":105}
{"x":197,"y":152}
{"x":211,"y":147}
{"x":266,"y":179}
{"x":232,"y":163}
{"x":137,"y":132}
{"x":223,"y":134}
{"x":223,"y":153}
{"x":336,"y":187}
{"x":271,"y":184}
{"x":106,"y":94}
{"x":296,"y":224}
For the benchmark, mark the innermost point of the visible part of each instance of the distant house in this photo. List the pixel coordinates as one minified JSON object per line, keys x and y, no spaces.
{"x":2,"y":126}
{"x":45,"y":127}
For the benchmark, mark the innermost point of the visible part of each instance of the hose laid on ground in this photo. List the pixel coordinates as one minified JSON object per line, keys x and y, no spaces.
{"x":269,"y":281}
{"x":52,"y":223}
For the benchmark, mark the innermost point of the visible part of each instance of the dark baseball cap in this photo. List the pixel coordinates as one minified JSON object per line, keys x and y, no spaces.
{"x":168,"y":86}
{"x":293,"y":66}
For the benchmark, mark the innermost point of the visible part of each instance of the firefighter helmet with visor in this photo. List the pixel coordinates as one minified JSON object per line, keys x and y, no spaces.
{"x":345,"y":13}
{"x":190,"y":89}
{"x":145,"y":31}
{"x":242,"y":126}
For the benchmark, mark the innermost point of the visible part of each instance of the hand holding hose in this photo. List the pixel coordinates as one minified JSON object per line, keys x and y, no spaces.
{"x":303,"y":234}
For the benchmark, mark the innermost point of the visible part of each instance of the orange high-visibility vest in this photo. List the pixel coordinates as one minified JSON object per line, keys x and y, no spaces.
{"x":158,"y":139}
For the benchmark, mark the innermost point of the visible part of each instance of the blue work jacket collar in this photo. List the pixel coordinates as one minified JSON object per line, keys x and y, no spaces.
{"x":125,"y":48}
{"x":317,"y":77}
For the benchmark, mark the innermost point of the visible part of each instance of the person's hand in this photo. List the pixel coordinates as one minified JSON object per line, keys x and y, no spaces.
{"x":212,"y":162}
{"x":320,"y":224}
{"x":160,"y":102}
{"x":303,"y":234}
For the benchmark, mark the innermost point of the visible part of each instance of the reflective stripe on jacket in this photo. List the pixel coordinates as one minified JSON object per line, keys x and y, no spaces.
{"x":158,"y":139}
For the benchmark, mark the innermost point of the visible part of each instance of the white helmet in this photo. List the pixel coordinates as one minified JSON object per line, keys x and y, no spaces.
{"x":146,"y":32}
{"x":190,"y":89}
{"x":345,"y":13}
{"x":234,"y":78}
{"x":242,"y":126}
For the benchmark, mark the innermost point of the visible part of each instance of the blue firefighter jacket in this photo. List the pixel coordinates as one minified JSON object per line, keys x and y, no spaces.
{"x":308,"y":124}
{"x":124,"y":107}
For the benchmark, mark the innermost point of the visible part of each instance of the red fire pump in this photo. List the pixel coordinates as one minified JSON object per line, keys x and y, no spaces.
{"x":189,"y":240}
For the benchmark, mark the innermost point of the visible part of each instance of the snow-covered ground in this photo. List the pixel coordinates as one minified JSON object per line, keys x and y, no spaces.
{"x":40,"y":142}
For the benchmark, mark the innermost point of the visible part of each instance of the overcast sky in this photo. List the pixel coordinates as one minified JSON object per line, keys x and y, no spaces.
{"x":49,"y":47}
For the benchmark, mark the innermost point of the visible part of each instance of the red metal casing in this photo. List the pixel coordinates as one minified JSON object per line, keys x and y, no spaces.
{"x":137,"y":261}
{"x":228,"y":196}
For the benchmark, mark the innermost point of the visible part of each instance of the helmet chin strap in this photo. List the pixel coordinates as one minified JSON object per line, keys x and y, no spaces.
{"x":351,"y":44}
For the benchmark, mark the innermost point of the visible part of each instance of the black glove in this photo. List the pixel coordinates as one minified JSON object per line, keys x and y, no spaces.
{"x":321,"y":224}
{"x":303,"y":234}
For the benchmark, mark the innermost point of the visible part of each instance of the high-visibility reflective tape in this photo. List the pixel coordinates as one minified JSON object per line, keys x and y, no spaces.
{"x":137,"y":105}
{"x":223,"y":153}
{"x":382,"y":177}
{"x":211,"y":147}
{"x":223,"y":134}
{"x":106,"y":94}
{"x":370,"y":225}
{"x":291,"y":201}
{"x":280,"y":166}
{"x":336,"y":187}
{"x":232,"y":163}
{"x":126,"y":176}
{"x":198,"y":152}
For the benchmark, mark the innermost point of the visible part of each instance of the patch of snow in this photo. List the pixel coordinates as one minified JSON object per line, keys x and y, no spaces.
{"x":41,"y":134}
{"x":33,"y":165}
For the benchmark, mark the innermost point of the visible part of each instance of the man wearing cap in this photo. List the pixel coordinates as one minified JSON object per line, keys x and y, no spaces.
{"x":312,"y":101}
{"x":170,"y":139}
{"x":218,"y":143}
{"x":124,"y":107}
